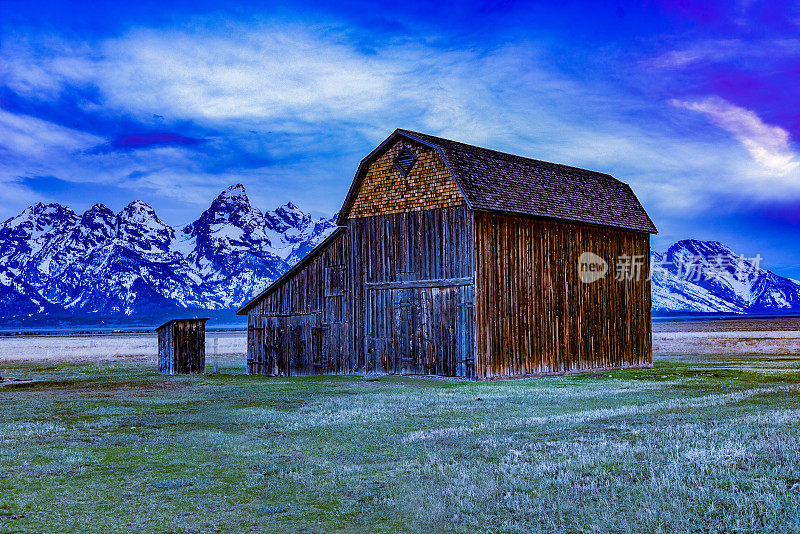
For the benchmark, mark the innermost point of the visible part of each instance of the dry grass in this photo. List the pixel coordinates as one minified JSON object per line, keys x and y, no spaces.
{"x":104,"y":347}
{"x":747,"y":336}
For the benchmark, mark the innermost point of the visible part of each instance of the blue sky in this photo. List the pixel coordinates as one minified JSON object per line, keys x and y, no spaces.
{"x":692,"y":103}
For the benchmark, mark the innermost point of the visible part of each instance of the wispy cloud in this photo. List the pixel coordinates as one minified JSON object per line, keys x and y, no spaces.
{"x":725,"y":50}
{"x":768,"y":145}
{"x":292,"y":109}
{"x":30,"y":145}
{"x":291,"y":95}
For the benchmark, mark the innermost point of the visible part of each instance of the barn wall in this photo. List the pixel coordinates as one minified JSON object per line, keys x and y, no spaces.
{"x":384,"y":190}
{"x":302,"y":327}
{"x":534,"y":315}
{"x":411,"y":291}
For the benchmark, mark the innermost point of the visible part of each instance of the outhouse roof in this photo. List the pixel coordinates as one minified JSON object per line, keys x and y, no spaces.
{"x":204,"y":319}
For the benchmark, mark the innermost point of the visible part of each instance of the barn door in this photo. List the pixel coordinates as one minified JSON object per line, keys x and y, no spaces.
{"x":421,"y":330}
{"x":301,"y":347}
{"x":465,"y":334}
{"x":320,"y":347}
{"x":272,"y":364}
{"x":288,"y":344}
{"x":408,"y":334}
{"x":377,"y":342}
{"x":394,"y":331}
{"x":441,"y":326}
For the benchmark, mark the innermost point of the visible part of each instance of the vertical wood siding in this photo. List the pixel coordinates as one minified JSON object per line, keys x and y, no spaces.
{"x":412,"y":292}
{"x":393,"y":294}
{"x":302,"y":327}
{"x":182,"y":347}
{"x":533,"y":314}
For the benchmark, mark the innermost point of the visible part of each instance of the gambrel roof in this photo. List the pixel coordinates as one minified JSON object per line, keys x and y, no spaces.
{"x":499,"y":182}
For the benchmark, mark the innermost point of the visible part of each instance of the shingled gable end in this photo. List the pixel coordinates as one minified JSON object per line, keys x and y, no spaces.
{"x":455,"y":260}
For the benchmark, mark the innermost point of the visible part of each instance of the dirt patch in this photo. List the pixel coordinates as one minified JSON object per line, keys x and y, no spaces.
{"x":597,"y":375}
{"x":7,"y":381}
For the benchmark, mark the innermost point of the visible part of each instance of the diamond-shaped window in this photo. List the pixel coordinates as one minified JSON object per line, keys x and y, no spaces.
{"x":405,"y":160}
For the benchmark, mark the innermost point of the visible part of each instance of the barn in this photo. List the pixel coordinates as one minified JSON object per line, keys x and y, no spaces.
{"x":454,"y":260}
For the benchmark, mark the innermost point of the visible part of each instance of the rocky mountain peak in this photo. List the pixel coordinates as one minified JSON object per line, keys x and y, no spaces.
{"x":230,"y":199}
{"x":132,"y":262}
{"x":290,"y":210}
{"x":32,"y":231}
{"x":41,"y":215}
{"x":233,"y":191}
{"x":97,"y":226}
{"x":231,"y":209}
{"x":285,"y":217}
{"x":138,"y":210}
{"x":138,"y":225}
{"x":233,"y":205}
{"x":97,"y":213}
{"x":687,"y":248}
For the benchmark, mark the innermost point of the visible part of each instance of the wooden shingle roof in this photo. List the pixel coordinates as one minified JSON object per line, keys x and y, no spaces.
{"x":499,"y":182}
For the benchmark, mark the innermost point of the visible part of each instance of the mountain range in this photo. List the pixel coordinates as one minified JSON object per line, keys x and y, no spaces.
{"x":708,"y":277}
{"x":54,"y":262}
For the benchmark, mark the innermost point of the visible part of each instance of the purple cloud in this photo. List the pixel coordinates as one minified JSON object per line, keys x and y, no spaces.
{"x":134,"y":141}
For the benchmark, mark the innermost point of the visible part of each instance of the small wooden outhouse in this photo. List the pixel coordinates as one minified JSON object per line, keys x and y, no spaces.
{"x":182,"y":346}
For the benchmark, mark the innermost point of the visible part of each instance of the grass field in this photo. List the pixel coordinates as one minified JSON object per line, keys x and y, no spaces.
{"x":703,"y":444}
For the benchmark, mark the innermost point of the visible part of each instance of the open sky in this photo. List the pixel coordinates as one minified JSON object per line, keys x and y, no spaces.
{"x":695,"y":104}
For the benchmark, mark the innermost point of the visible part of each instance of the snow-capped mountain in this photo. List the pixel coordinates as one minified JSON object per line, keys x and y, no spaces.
{"x":17,"y":295}
{"x":54,"y":261}
{"x":708,"y":277}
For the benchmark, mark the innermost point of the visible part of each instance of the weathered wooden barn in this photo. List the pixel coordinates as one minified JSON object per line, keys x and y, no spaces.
{"x":182,"y":346}
{"x":455,"y":260}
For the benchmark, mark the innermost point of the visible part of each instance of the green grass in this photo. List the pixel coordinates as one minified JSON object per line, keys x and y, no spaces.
{"x":705,"y":446}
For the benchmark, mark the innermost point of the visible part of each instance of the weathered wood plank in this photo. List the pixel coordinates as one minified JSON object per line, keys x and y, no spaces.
{"x":534,"y":316}
{"x":408,"y":284}
{"x":181,"y":346}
